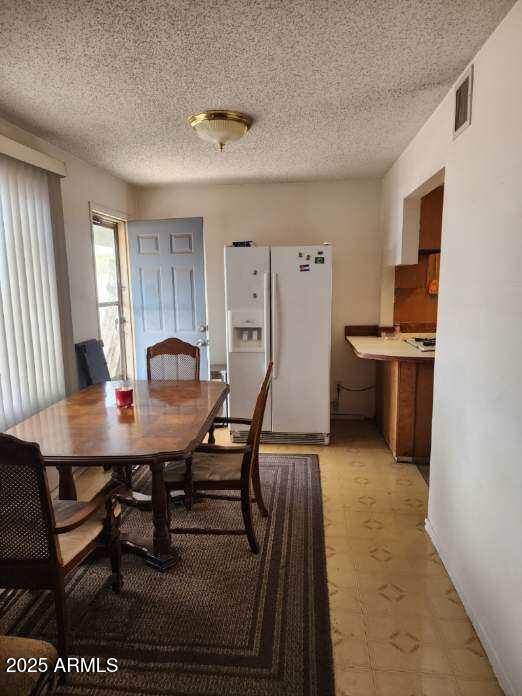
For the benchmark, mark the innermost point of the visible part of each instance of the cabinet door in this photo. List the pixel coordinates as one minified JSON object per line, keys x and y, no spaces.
{"x":431,"y":220}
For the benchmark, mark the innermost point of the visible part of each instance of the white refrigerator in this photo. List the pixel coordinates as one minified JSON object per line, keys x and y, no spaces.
{"x":278,"y":307}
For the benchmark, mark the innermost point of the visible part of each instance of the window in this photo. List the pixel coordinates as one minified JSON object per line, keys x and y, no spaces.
{"x":31,"y":362}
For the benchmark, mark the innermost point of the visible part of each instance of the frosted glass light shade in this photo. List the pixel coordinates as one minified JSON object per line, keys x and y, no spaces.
{"x":220,"y":127}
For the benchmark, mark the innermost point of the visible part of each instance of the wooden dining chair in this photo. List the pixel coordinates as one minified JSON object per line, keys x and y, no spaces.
{"x":170,"y":359}
{"x":42,"y":541}
{"x":215,"y":467}
{"x":173,"y":359}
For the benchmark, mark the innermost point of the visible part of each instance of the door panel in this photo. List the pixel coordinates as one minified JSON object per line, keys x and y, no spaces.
{"x":151,"y":300}
{"x":168,"y":285}
{"x":184,"y":299}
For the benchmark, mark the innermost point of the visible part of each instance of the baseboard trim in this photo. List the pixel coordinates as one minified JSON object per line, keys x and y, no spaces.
{"x":496,"y":663}
{"x":412,"y":460}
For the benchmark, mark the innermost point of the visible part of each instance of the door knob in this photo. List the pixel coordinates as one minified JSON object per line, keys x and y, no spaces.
{"x":203,"y":327}
{"x":201,"y":342}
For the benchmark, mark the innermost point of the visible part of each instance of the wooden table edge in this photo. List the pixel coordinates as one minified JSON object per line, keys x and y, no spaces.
{"x":100,"y":460}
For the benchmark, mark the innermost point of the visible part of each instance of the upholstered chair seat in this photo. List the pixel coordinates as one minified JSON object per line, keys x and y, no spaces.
{"x":207,"y":467}
{"x":72,"y":543}
{"x":25,"y":683}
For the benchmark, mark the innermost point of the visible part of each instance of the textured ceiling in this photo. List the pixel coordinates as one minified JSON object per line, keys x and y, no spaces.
{"x":337,"y":88}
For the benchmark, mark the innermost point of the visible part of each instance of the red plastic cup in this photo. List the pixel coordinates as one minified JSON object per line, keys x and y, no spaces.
{"x":124,"y":397}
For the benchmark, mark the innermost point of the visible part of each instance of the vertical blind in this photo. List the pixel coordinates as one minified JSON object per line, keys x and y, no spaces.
{"x":31,"y":364}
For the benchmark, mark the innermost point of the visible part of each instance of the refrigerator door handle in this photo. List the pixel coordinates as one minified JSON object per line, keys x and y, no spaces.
{"x":275,"y":327}
{"x":266,"y":318}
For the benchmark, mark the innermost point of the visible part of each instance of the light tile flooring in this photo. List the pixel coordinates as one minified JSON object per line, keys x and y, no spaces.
{"x":398,"y":626}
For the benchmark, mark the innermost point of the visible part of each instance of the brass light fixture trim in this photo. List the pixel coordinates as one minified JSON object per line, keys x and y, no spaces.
{"x":206,"y":125}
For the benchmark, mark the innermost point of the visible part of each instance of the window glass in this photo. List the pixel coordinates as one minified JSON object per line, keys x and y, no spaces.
{"x":106,"y":268}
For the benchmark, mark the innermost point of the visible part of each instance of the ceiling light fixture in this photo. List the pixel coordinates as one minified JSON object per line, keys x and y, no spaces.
{"x":220,"y":127}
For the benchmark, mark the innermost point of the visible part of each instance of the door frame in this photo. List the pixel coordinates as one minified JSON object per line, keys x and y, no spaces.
{"x":126,"y":331}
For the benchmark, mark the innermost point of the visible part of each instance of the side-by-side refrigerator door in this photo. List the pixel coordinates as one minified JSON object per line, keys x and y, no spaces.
{"x":301,"y":338}
{"x":247,"y":291}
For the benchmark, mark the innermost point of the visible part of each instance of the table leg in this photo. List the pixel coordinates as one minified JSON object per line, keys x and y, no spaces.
{"x":67,"y":487}
{"x":123,"y":472}
{"x":160,"y":513}
{"x":163,"y":556}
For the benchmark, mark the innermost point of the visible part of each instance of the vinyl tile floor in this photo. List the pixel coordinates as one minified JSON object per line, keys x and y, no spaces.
{"x":398,"y":625}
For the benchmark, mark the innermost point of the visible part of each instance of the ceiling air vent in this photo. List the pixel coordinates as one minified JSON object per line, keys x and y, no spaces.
{"x":463,"y":97}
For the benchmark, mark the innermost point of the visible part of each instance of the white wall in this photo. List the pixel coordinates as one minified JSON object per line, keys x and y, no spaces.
{"x":475,"y":506}
{"x":342,"y":212}
{"x":84,"y":183}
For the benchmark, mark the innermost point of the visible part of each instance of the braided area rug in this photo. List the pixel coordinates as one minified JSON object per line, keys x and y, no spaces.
{"x":223,"y":621}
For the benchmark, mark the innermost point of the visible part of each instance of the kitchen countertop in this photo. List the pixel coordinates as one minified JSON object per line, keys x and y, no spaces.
{"x":376,"y":348}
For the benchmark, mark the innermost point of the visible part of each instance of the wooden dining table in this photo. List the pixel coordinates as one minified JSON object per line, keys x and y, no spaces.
{"x":167,"y":421}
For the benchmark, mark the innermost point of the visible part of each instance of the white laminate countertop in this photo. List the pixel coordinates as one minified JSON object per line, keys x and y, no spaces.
{"x":376,"y":348}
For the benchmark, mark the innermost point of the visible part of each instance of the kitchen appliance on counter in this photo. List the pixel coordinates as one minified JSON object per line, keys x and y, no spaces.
{"x":278,"y":307}
{"x":424,"y":343}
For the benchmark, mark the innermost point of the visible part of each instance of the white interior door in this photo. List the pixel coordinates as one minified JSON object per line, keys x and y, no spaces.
{"x":301,"y":338}
{"x":168,"y":286}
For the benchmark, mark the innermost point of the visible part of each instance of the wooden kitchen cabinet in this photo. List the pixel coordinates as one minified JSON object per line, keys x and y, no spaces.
{"x":404,"y":402}
{"x":431,"y":220}
{"x":417,"y":286}
{"x":411,"y":277}
{"x":403,"y":391}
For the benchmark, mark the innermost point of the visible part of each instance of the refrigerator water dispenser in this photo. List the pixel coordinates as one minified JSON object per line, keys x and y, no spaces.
{"x":245,"y":331}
